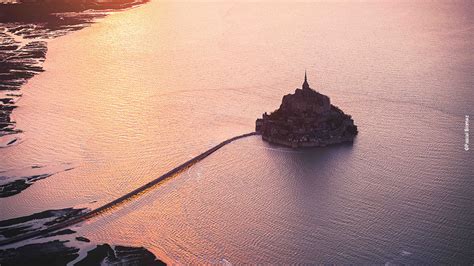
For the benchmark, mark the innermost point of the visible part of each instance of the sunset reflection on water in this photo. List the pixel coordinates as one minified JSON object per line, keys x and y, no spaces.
{"x":141,"y":91}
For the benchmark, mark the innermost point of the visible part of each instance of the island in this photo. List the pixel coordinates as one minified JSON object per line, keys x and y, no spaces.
{"x":306,"y":119}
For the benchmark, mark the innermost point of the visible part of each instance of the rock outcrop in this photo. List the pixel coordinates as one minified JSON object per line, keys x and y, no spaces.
{"x":306,"y":119}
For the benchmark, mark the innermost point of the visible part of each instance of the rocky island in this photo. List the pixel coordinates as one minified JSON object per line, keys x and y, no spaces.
{"x":306,"y":119}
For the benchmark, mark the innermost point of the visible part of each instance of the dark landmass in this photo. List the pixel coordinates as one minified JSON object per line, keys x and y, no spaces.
{"x":37,"y":10}
{"x":57,"y":253}
{"x":65,"y":249}
{"x":60,"y":233}
{"x":12,"y":141}
{"x":17,"y":65}
{"x":23,"y":26}
{"x":119,"y":255}
{"x":17,"y":186}
{"x":82,"y":239}
{"x":306,"y":119}
{"x":11,"y":186}
{"x":25,"y":224}
{"x":49,"y":253}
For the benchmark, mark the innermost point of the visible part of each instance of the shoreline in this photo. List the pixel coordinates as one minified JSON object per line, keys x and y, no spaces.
{"x":24,"y":33}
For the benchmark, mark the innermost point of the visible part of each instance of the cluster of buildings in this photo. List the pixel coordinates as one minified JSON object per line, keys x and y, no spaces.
{"x":306,"y":119}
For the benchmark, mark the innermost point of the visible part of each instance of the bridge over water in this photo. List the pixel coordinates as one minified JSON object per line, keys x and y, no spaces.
{"x":88,"y":215}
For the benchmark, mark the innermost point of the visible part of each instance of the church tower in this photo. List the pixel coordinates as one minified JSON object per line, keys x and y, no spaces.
{"x":305,"y":83}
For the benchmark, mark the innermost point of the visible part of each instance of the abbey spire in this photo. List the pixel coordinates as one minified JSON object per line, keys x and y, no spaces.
{"x":305,"y":83}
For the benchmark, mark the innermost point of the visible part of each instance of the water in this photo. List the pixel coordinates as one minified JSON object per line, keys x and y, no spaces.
{"x":144,"y":90}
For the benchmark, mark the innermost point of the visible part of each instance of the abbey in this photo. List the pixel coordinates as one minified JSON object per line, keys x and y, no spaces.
{"x":306,"y":119}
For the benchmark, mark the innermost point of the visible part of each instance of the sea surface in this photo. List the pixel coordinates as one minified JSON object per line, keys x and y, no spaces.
{"x":141,"y":91}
